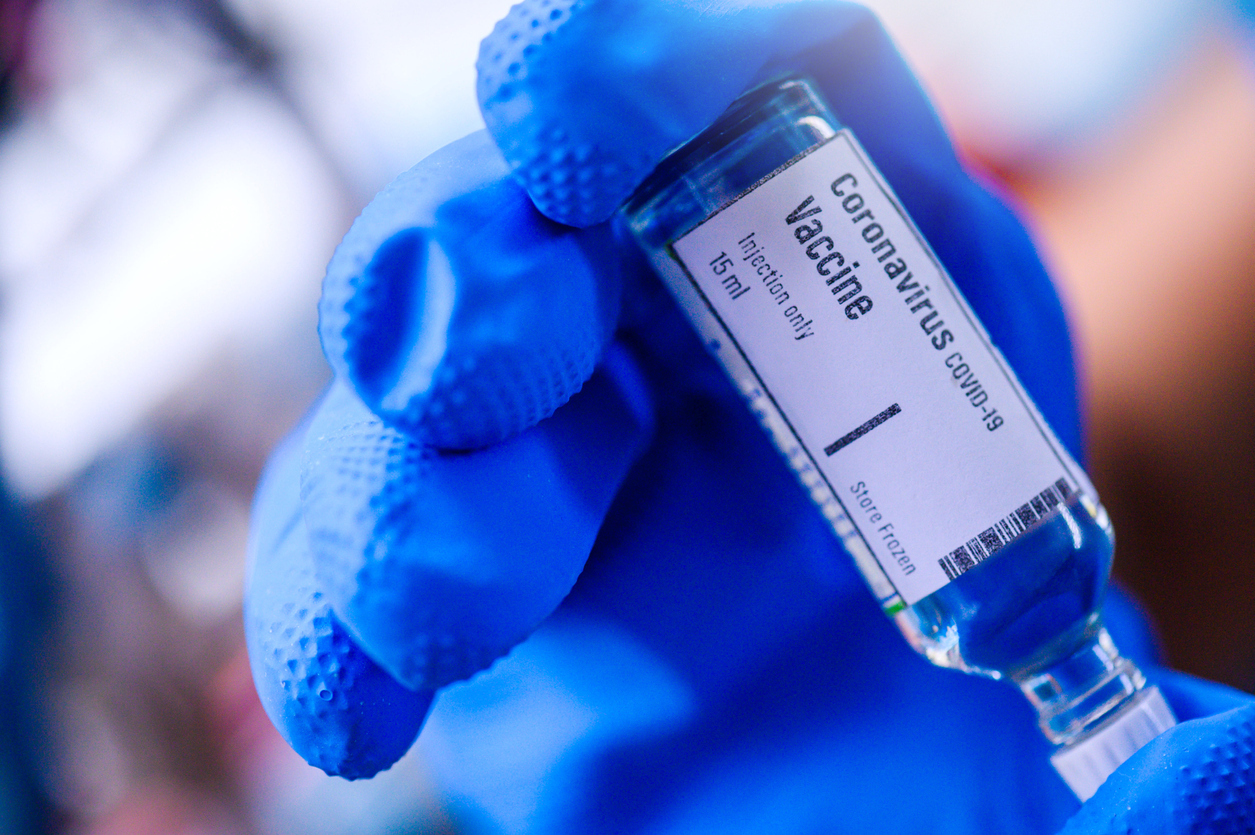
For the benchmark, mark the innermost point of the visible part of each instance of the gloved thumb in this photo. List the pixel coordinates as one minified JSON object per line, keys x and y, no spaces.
{"x":1197,"y":778}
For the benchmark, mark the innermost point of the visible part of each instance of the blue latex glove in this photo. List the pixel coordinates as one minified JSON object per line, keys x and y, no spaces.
{"x":719,"y":665}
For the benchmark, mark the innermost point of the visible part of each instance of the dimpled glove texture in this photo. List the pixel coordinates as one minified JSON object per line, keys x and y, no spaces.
{"x":333,"y":705}
{"x":358,"y":517}
{"x":1198,"y":777}
{"x":719,"y":666}
{"x":387,"y":519}
{"x":444,"y":331}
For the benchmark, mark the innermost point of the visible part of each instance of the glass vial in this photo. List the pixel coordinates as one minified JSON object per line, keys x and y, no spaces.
{"x":972,"y":525}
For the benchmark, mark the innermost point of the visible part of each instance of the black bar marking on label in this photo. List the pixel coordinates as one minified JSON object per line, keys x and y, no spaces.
{"x":846,"y":440}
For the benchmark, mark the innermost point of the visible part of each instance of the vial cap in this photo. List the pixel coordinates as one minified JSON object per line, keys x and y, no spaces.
{"x":1086,"y":763}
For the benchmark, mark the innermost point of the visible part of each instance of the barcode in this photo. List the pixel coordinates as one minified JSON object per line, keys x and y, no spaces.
{"x":977,"y":550}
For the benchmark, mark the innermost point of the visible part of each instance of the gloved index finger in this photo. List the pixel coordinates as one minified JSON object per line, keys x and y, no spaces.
{"x":584,"y":99}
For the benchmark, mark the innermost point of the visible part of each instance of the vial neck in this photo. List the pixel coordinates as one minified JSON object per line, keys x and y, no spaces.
{"x":1080,"y":690}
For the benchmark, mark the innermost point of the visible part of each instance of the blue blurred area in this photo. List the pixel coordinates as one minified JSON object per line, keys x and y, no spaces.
{"x":26,"y":619}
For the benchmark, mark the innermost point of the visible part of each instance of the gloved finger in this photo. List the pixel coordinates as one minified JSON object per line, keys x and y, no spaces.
{"x":585,"y":98}
{"x":1194,"y":698}
{"x":458,"y":313}
{"x":1197,"y":778}
{"x":440,"y":563}
{"x":334,"y":705}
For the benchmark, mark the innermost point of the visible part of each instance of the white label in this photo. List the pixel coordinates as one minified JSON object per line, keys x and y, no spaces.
{"x":829,"y":300}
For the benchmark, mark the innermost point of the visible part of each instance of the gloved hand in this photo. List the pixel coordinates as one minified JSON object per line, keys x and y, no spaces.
{"x":719,"y":665}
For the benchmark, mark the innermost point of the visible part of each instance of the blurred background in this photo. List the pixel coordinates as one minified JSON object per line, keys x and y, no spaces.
{"x":174,"y":174}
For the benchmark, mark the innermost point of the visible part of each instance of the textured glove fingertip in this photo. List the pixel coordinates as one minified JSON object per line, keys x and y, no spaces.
{"x":1196,"y":778}
{"x":458,"y":313}
{"x":439,"y":564}
{"x":363,"y":489}
{"x":571,"y":176}
{"x":584,"y":98}
{"x":336,"y":707}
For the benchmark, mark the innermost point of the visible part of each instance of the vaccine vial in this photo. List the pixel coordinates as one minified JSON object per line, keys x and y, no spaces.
{"x":971,"y":523}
